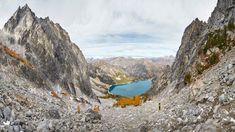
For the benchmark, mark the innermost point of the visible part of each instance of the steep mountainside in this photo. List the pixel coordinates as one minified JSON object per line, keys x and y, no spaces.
{"x":108,"y":73}
{"x":195,"y":94}
{"x":44,"y":80}
{"x":203,"y":44}
{"x":50,"y":51}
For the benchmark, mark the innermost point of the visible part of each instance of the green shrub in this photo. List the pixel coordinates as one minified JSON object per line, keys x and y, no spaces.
{"x":216,"y":39}
{"x":200,"y":68}
{"x":188,"y":78}
{"x":213,"y":59}
{"x":231,"y":26}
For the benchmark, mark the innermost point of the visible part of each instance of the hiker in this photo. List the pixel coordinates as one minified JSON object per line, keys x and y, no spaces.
{"x":159,"y":106}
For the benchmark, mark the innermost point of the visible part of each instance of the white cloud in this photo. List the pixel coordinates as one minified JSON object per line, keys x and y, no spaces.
{"x":89,"y":20}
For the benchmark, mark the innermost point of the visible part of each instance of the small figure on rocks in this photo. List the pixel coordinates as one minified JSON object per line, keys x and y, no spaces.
{"x":159,"y":106}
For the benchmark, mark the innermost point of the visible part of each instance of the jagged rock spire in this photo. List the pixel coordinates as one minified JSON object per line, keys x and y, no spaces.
{"x":24,"y":10}
{"x":22,"y":19}
{"x":51,"y":51}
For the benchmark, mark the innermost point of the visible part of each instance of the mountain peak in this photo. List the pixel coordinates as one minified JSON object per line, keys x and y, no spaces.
{"x":21,"y":20}
{"x":23,"y":11}
{"x":26,"y":6}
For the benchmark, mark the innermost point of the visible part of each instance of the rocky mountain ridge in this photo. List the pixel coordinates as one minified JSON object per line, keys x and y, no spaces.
{"x":136,"y":68}
{"x":195,"y":94}
{"x":48,"y":48}
{"x":203,"y":44}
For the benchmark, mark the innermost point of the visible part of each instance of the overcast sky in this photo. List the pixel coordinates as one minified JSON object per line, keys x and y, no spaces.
{"x":107,"y":28}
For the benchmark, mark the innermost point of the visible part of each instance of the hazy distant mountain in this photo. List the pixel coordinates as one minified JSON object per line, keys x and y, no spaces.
{"x":139,"y":68}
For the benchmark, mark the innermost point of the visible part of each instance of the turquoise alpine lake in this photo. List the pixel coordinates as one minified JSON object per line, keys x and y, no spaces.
{"x":131,"y":89}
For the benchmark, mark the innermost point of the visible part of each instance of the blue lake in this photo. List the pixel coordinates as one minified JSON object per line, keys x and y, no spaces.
{"x":131,"y":89}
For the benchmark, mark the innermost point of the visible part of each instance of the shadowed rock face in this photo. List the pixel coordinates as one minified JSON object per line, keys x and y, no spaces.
{"x":49,"y":49}
{"x":194,"y":39}
{"x":196,"y":35}
{"x":188,"y":50}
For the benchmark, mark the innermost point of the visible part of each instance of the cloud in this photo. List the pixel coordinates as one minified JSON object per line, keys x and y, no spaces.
{"x":110,"y":24}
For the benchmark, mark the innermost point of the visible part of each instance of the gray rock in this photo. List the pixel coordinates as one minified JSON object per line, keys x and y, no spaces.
{"x":92,"y":116}
{"x":7,"y":113}
{"x":226,"y":78}
{"x":7,"y":100}
{"x":17,"y":122}
{"x":17,"y":106}
{"x":1,"y":105}
{"x":230,"y":66}
{"x":216,"y":109}
{"x":143,"y":129}
{"x":54,"y":114}
{"x":1,"y":114}
{"x":16,"y":128}
{"x":29,"y":113}
{"x":231,"y":79}
{"x":43,"y":126}
{"x":12,"y":115}
{"x":9,"y":128}
{"x":208,"y":52}
{"x":232,"y":112}
{"x":51,"y":125}
{"x":211,"y":99}
{"x":222,"y":98}
{"x":31,"y":128}
{"x":229,"y":82}
{"x":233,"y":62}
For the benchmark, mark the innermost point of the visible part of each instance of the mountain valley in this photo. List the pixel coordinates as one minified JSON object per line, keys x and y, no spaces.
{"x":46,"y":84}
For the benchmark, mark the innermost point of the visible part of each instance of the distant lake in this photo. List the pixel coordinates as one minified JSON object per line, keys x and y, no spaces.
{"x":131,"y":89}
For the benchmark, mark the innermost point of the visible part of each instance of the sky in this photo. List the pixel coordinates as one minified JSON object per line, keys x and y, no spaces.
{"x":110,"y":28}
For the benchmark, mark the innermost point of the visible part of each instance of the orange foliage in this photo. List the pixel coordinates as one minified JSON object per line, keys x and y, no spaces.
{"x":23,"y":100}
{"x":96,"y":108}
{"x":123,"y":101}
{"x":54,"y":94}
{"x":64,"y":93}
{"x":78,"y":109}
{"x":13,"y":54}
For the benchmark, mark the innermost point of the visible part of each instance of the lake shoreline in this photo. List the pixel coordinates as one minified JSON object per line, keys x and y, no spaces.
{"x":143,"y":85}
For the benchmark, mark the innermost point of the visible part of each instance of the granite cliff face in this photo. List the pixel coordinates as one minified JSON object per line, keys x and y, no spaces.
{"x":187,"y":52}
{"x":202,"y":42}
{"x":222,"y":14}
{"x":50,"y":51}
